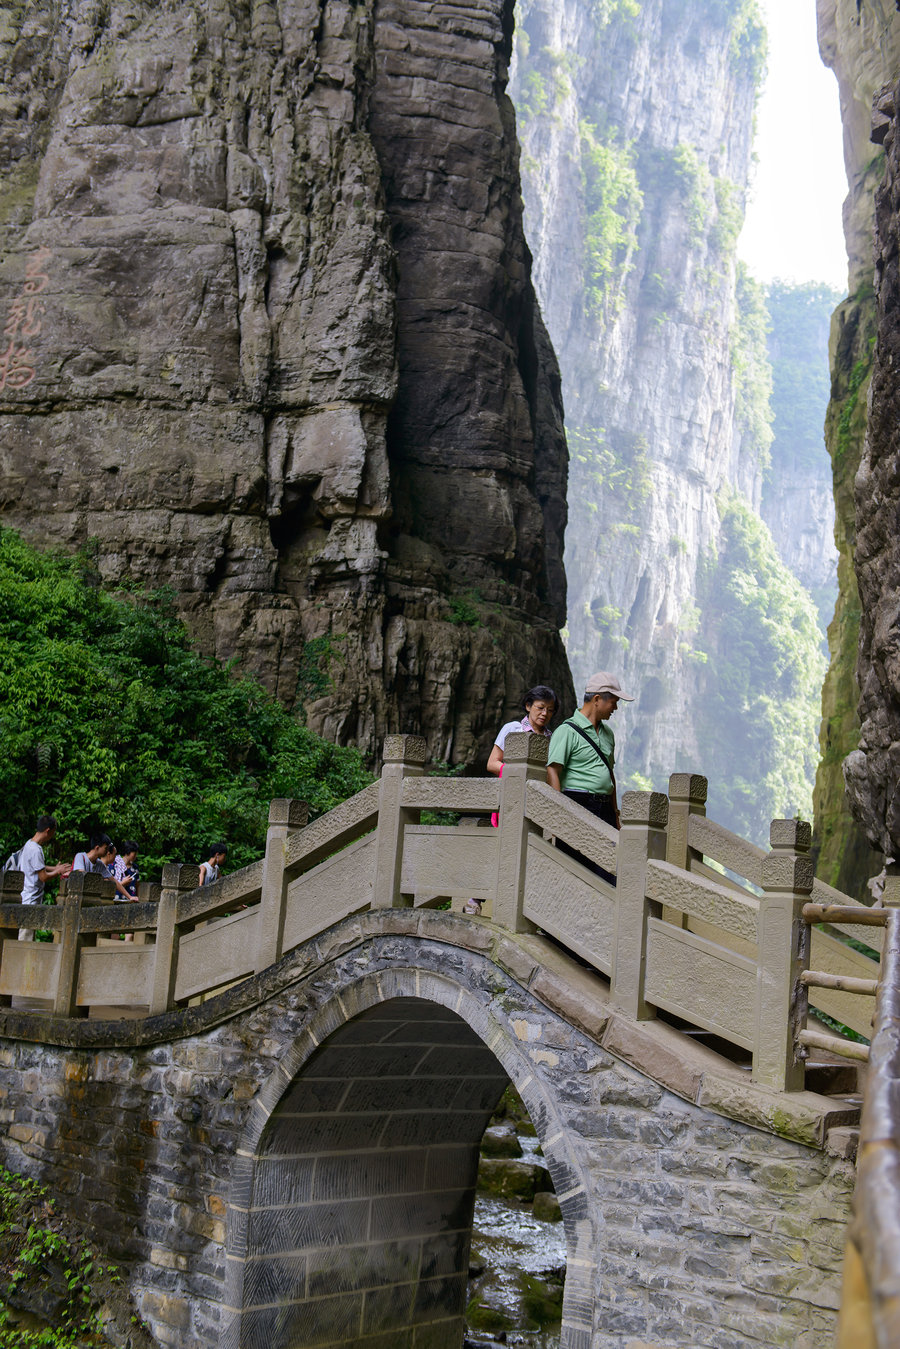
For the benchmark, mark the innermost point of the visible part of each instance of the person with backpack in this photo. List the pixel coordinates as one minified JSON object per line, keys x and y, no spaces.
{"x":581,"y":756}
{"x":31,"y":862}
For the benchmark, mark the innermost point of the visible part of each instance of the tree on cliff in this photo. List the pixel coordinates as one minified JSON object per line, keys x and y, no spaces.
{"x":109,"y":717}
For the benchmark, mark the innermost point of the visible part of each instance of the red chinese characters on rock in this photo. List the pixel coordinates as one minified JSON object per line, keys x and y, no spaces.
{"x":24,"y":322}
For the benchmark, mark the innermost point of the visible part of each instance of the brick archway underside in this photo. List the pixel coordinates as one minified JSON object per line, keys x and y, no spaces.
{"x":364,"y":1187}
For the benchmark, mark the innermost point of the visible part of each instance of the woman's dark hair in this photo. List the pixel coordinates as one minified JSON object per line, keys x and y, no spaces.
{"x":540,"y":694}
{"x":126,"y":847}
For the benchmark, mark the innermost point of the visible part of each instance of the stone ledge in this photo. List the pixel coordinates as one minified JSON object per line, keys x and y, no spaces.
{"x":689,"y":1070}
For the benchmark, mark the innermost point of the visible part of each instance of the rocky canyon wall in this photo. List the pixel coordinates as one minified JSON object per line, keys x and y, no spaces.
{"x":872,"y":770}
{"x":636,"y":122}
{"x":271,"y":340}
{"x":861,"y":43}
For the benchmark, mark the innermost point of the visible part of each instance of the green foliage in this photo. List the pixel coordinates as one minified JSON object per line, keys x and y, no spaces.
{"x":694,"y":184}
{"x":604,"y":469}
{"x":110,"y":719}
{"x":758,"y":721}
{"x":314,"y":676}
{"x":800,"y":317}
{"x":845,"y":435}
{"x":752,"y":370}
{"x":612,"y":207}
{"x":465,"y":609}
{"x":37,"y":1254}
{"x":604,"y":11}
{"x":729,"y":216}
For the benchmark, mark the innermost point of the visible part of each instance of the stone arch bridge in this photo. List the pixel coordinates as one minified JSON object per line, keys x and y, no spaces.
{"x":268,"y":1107}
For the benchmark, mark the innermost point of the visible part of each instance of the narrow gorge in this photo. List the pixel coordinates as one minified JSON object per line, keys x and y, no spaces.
{"x":698,"y":554}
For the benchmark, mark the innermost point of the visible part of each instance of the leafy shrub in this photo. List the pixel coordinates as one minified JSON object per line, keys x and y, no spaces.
{"x":110,"y":719}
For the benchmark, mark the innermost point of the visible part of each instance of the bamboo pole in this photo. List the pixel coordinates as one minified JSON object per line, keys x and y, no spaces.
{"x":844,"y":983}
{"x":848,"y":1048}
{"x":844,"y":913}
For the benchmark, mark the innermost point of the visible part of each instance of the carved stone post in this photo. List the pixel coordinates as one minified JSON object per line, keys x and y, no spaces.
{"x":11,"y":883}
{"x":687,"y":797}
{"x":784,"y":940}
{"x":404,"y":756}
{"x":286,"y":817}
{"x":177,"y":878}
{"x":524,"y":760}
{"x":81,"y":885}
{"x":641,"y":838}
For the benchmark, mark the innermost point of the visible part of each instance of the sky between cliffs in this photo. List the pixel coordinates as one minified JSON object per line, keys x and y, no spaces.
{"x":793,"y":227}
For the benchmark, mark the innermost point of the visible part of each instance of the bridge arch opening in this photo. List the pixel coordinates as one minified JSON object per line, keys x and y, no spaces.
{"x":354,"y":1226}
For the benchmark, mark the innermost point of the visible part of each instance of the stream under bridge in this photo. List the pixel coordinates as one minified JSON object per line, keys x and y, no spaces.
{"x":268,"y":1105}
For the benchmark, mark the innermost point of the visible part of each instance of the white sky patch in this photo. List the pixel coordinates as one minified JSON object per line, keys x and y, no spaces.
{"x":793,"y":228}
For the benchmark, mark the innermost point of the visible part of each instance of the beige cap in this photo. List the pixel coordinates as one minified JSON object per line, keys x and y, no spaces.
{"x":604,"y":682}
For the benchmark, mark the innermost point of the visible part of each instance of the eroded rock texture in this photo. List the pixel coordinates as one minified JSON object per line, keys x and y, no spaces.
{"x":862,"y":45}
{"x":272,"y":341}
{"x":873,"y":770}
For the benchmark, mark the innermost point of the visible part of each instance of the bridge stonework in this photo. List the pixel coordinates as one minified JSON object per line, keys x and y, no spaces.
{"x":294,"y":1161}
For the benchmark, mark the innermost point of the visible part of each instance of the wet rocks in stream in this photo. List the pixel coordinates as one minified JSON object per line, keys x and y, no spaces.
{"x":517,"y":1266}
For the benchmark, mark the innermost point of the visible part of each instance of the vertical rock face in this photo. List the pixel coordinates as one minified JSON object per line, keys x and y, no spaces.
{"x":873,"y":769}
{"x":862,"y":45}
{"x":636,"y":124}
{"x":272,"y":341}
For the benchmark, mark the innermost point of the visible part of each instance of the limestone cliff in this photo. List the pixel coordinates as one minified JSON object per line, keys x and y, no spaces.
{"x":861,"y":43}
{"x":871,"y":771}
{"x":272,"y":341}
{"x":636,"y":122}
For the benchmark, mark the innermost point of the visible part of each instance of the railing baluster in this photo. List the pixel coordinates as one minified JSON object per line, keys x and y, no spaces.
{"x":687,"y":797}
{"x":404,"y":756}
{"x":177,"y":877}
{"x":524,"y":759}
{"x":641,"y":838}
{"x":286,"y":817}
{"x":784,"y":942}
{"x":79,"y":886}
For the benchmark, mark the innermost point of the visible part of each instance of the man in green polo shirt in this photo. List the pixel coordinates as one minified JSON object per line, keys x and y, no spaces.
{"x":581,"y":753}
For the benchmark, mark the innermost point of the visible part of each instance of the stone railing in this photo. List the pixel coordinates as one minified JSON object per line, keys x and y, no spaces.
{"x":699,"y":924}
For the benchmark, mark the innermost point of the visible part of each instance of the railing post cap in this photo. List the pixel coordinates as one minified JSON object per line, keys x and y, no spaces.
{"x":524,"y":747}
{"x":645,"y":808}
{"x":286,"y":811}
{"x":788,"y":871}
{"x":410,"y":749}
{"x":793,"y":834}
{"x":81,"y":883}
{"x":688,"y":787}
{"x":12,"y":882}
{"x":891,"y":896}
{"x":180,"y":876}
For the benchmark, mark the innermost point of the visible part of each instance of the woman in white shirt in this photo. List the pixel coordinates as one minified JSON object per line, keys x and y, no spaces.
{"x":540,"y":709}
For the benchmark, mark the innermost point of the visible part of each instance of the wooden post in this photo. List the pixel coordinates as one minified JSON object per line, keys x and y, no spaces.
{"x":177,"y":878}
{"x":80,"y":886}
{"x":286,"y":817}
{"x":404,"y":756}
{"x":524,"y":760}
{"x":784,"y":941}
{"x":641,"y":838}
{"x":687,"y":797}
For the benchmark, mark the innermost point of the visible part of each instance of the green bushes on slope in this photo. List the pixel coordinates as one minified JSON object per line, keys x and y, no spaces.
{"x":108,"y":718}
{"x":759,"y":719}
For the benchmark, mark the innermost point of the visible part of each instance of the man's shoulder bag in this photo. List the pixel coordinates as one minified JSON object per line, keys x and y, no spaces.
{"x":596,"y":748}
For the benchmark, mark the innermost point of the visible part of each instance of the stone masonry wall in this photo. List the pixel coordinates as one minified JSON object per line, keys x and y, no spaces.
{"x":683,"y":1227}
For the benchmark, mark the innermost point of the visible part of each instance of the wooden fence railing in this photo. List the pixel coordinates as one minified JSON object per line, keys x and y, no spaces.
{"x":699,"y":924}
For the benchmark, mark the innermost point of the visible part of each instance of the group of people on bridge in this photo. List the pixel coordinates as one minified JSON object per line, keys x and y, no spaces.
{"x":581,"y":754}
